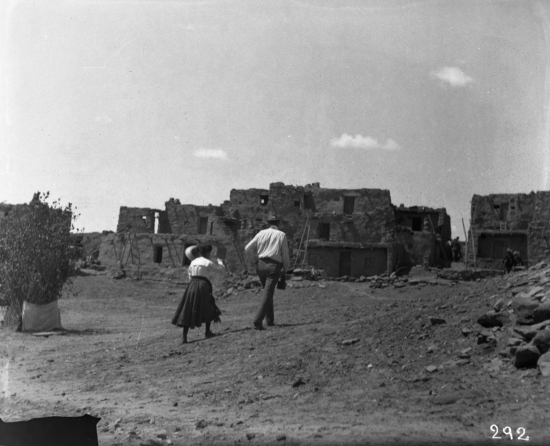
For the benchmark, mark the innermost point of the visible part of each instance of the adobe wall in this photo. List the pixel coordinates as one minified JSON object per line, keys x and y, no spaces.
{"x":184,"y":219}
{"x":381,"y":257}
{"x":509,"y":218}
{"x":433,"y":220}
{"x":364,"y":216}
{"x":138,"y":249}
{"x":419,"y":248}
{"x":136,"y":220}
{"x":91,"y":242}
{"x":489,"y":211}
{"x":539,"y":229}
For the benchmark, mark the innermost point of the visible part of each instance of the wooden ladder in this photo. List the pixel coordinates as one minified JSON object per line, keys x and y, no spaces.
{"x":305,"y":233}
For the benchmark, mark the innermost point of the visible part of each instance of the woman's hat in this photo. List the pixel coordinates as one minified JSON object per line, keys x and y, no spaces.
{"x":189,"y":252}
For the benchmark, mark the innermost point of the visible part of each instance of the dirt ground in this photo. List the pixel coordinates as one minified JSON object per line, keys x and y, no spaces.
{"x":293,"y":384}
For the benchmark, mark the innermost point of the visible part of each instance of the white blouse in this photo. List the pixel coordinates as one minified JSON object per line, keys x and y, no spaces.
{"x":205,"y":268}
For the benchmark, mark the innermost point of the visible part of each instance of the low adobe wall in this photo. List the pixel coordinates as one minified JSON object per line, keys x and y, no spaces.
{"x":141,"y":249}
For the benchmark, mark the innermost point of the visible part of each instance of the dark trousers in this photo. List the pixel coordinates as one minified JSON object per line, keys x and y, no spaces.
{"x":269,"y":272}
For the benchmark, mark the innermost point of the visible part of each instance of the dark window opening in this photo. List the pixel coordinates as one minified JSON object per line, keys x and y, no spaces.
{"x":211,"y":227}
{"x":345,"y":263}
{"x":324,"y":231}
{"x":416,"y":224}
{"x":296,"y":203}
{"x":203,"y":225}
{"x":157,"y":255}
{"x":496,"y":206}
{"x":308,"y":202}
{"x":264,"y":199}
{"x":349,"y":205}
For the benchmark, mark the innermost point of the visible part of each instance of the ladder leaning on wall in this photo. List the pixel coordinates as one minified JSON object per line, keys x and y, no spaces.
{"x":133,"y":252}
{"x":305,"y":233}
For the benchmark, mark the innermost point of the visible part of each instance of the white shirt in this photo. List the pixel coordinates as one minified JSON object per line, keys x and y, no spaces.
{"x":270,"y":243}
{"x":204,"y":267}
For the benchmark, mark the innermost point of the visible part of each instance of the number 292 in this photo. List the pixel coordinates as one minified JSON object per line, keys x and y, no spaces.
{"x":508,"y":431}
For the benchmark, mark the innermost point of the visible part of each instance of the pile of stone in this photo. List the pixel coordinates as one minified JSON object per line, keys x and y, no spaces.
{"x":92,"y":263}
{"x":379,"y":281}
{"x":396,"y":281}
{"x":466,"y":274}
{"x":235,"y":284}
{"x":519,"y":324}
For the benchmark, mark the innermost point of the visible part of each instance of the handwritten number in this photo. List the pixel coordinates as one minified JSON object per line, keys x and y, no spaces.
{"x":494,"y":428}
{"x":522,"y":430}
{"x":509,"y":432}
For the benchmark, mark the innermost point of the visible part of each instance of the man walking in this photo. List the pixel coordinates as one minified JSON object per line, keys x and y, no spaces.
{"x":269,"y":249}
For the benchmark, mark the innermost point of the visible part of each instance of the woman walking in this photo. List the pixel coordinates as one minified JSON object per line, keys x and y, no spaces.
{"x":197,"y":305}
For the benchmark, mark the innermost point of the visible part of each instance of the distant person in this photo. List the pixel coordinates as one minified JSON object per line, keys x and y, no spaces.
{"x":269,"y":249}
{"x":455,"y":250}
{"x":197,"y":305}
{"x":509,"y":261}
{"x":518,"y":260}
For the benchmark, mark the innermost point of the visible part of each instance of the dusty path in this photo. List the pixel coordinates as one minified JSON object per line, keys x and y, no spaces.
{"x":122,"y":361}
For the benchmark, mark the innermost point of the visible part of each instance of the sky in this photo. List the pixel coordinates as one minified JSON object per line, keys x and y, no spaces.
{"x":131,"y":103}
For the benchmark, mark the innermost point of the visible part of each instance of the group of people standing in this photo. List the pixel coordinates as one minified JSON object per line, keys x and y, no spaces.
{"x":511,"y":259}
{"x":268,"y":250}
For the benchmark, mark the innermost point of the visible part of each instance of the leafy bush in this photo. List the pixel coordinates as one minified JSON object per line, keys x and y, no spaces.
{"x":37,"y":253}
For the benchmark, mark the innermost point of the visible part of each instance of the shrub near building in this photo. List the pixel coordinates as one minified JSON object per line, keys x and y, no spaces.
{"x":37,"y":256}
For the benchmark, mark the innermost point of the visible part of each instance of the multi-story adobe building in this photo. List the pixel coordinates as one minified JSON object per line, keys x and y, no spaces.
{"x":346,"y":232}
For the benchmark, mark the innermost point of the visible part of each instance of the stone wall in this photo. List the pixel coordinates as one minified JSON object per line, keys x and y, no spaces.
{"x":539,"y":229}
{"x":188,"y":219}
{"x":351,"y":216}
{"x":424,"y":233}
{"x":503,"y":211}
{"x":419,"y":248}
{"x":136,"y":220}
{"x":517,"y":221}
{"x":135,"y":251}
{"x":352,"y":259}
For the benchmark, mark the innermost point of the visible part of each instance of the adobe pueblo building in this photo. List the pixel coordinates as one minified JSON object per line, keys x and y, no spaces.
{"x":345,"y":232}
{"x":516,"y":221}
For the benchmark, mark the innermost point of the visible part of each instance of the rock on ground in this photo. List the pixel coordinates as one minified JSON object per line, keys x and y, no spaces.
{"x":542,"y":340}
{"x":527,"y":356}
{"x":493,"y":319}
{"x":524,"y":307}
{"x":543,"y":364}
{"x":542,"y":313}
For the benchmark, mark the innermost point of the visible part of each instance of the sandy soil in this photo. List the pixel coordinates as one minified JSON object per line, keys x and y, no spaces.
{"x":123,"y":361}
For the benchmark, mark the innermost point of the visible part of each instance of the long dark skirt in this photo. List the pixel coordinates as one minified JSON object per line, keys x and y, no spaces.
{"x":197,"y":305}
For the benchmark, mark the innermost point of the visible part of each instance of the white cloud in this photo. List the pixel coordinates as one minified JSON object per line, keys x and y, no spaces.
{"x":362,"y":142}
{"x":103,"y":118}
{"x":452,"y":75}
{"x":391,"y":145}
{"x":211,"y":153}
